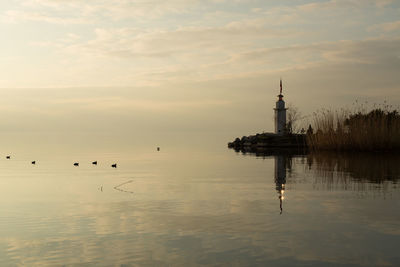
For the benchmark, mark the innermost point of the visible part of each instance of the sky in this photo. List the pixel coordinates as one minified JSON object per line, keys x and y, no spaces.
{"x":191,"y":65}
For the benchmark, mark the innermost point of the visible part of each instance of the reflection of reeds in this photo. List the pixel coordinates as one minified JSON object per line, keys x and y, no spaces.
{"x":361,"y":167}
{"x":378,"y":129}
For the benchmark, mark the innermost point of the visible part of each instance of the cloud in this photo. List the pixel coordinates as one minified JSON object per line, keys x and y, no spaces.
{"x":343,"y":4}
{"x":386,"y":27}
{"x":148,"y":43}
{"x":369,"y":51}
{"x":116,"y":104}
{"x":14,"y":16}
{"x":83,"y":12}
{"x":132,"y":42}
{"x":332,"y":4}
{"x":151,"y":56}
{"x":383,"y":3}
{"x":131,"y":56}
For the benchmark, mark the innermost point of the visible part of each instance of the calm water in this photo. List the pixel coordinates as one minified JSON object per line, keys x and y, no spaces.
{"x":193,"y":203}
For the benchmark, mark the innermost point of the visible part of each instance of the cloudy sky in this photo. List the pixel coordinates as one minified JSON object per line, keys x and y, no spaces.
{"x":188,"y":58}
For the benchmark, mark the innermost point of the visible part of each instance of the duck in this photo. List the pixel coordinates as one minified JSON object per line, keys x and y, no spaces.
{"x":8,"y":157}
{"x":94,"y":162}
{"x":34,"y":162}
{"x":76,"y":164}
{"x":114,"y":165}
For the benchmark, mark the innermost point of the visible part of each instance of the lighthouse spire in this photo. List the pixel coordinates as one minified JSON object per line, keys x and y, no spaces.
{"x":280,"y":92}
{"x":280,"y":113}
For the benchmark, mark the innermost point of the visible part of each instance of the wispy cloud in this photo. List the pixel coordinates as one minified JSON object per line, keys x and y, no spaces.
{"x":386,"y":27}
{"x":15,"y":16}
{"x":81,"y":12}
{"x":346,"y":4}
{"x":132,"y":42}
{"x":118,"y":104}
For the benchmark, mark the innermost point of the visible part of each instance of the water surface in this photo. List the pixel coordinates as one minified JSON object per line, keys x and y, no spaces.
{"x":193,"y":203}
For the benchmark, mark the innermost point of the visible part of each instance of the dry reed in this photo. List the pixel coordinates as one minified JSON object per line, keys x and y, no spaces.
{"x":360,"y":130}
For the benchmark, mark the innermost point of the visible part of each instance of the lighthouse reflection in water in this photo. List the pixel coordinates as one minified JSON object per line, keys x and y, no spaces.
{"x":280,"y":177}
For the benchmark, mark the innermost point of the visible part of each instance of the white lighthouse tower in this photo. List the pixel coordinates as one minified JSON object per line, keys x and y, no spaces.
{"x":280,"y":114}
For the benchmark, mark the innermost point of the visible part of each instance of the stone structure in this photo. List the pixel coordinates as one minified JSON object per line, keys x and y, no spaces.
{"x":280,"y":114}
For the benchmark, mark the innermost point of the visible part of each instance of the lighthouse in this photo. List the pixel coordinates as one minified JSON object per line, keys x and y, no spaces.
{"x":280,"y":114}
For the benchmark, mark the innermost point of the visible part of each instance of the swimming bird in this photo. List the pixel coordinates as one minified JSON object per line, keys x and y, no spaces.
{"x":114,"y":165}
{"x":8,"y":157}
{"x":76,"y":164}
{"x":158,"y":148}
{"x":94,"y":162}
{"x":34,"y":162}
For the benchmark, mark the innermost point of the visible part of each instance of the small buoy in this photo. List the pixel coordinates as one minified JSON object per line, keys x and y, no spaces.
{"x":34,"y":162}
{"x":114,"y":165}
{"x":8,"y":157}
{"x":76,"y":164}
{"x":158,"y":148}
{"x":94,"y":162}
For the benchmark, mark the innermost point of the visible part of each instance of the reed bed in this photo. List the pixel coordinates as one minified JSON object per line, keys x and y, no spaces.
{"x":359,"y":130}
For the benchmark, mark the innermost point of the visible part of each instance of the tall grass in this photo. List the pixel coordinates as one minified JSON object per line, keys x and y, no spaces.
{"x":373,"y":130}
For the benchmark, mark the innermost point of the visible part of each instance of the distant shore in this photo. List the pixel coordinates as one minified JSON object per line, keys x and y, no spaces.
{"x":376,"y":130}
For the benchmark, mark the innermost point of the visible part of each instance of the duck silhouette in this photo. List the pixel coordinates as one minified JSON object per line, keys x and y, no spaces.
{"x":114,"y":165}
{"x":76,"y":164}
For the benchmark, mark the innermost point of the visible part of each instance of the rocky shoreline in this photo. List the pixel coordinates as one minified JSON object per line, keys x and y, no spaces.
{"x":269,"y":141}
